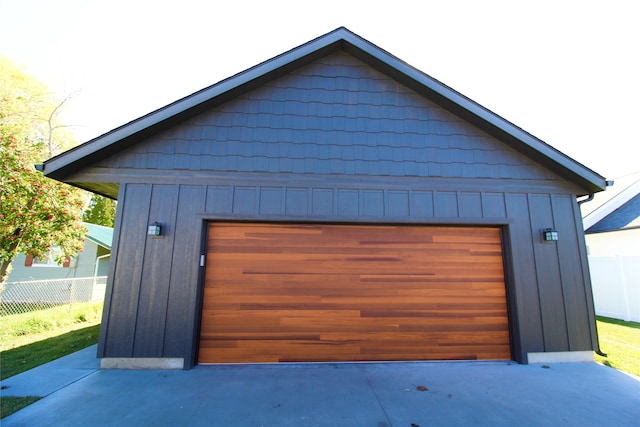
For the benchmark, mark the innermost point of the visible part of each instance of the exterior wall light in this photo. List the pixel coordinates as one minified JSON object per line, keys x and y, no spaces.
{"x":154,"y":229}
{"x":550,"y":235}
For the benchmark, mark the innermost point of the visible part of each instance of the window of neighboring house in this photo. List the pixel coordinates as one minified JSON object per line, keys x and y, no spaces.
{"x":48,"y":260}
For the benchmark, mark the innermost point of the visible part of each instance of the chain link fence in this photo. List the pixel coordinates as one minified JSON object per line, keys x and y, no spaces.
{"x":24,"y":297}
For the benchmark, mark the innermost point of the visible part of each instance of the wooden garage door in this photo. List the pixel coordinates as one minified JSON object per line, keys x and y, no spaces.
{"x":298,"y":293}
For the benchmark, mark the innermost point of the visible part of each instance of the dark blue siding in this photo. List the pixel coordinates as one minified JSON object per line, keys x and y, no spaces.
{"x":271,"y":201}
{"x":184,"y":273}
{"x":552,"y":304}
{"x":322,"y":201}
{"x":154,"y":284}
{"x":123,"y":300}
{"x":322,"y":120}
{"x":571,"y":274}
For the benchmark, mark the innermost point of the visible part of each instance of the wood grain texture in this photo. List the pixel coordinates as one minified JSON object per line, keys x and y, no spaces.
{"x":303,"y":293}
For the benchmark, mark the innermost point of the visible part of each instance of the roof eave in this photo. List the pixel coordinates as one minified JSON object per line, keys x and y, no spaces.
{"x":99,"y":243}
{"x":611,"y":205}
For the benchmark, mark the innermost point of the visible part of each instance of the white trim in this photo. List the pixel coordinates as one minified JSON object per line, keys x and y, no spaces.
{"x":611,"y":205}
{"x":142,"y":363}
{"x":560,"y":357}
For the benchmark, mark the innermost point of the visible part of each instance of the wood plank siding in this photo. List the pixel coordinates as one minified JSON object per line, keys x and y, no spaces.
{"x":300,"y":293}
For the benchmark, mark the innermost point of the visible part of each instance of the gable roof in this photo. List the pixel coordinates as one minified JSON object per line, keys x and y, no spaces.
{"x":618,"y":208}
{"x":82,"y":156}
{"x":99,"y":234}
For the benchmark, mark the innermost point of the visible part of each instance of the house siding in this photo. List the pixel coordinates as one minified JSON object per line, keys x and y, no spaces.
{"x":334,"y":141}
{"x":83,"y":265}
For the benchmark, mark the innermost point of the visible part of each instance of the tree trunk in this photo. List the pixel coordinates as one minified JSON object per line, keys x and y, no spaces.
{"x":4,"y":270}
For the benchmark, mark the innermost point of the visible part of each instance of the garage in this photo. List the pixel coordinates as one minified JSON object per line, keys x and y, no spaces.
{"x":348,"y":207}
{"x":339,"y":293}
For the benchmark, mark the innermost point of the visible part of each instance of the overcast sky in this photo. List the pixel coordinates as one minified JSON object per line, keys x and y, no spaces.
{"x":566,"y":71}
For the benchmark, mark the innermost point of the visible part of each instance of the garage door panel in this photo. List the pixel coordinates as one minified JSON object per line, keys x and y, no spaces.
{"x":380,"y":306}
{"x":374,"y":273}
{"x":456,"y":314}
{"x":339,"y":293}
{"x":436,"y":337}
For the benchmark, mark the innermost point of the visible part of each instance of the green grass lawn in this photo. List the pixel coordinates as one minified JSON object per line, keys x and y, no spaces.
{"x":11,"y":404}
{"x":620,"y":341}
{"x":18,"y":330}
{"x":32,"y":339}
{"x":20,"y":359}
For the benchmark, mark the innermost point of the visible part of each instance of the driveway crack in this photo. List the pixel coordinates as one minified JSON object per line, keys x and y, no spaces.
{"x":384,"y":411}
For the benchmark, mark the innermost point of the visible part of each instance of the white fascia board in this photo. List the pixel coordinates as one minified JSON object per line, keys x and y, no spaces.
{"x":611,"y":205}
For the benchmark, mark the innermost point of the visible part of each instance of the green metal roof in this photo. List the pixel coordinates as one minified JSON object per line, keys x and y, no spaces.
{"x":99,"y":234}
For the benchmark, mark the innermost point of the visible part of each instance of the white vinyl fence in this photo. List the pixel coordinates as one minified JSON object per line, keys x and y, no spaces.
{"x":616,"y":286}
{"x":22,"y":297}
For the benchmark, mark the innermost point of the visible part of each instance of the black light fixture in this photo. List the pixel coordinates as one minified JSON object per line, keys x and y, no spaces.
{"x":550,"y":235}
{"x":154,"y":229}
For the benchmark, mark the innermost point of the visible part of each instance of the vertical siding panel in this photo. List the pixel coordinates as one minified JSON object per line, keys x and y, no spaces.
{"x":470,"y":205}
{"x":183,"y":288}
{"x":524,"y":269}
{"x":398,"y":203}
{"x":106,"y":309}
{"x":586,"y":277}
{"x":422,"y":204}
{"x":219,"y":199}
{"x":348,"y":202}
{"x":125,"y":291}
{"x":446,"y":204}
{"x":154,"y":283}
{"x":244,"y":200}
{"x":322,"y":201}
{"x":296,"y":201}
{"x":548,"y":273}
{"x":373,"y":203}
{"x":573,"y":284}
{"x":494,"y":205}
{"x":270,"y":200}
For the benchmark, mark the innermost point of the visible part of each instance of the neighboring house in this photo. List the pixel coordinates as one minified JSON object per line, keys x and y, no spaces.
{"x":92,"y":260}
{"x":336,"y":204}
{"x":612,"y":228}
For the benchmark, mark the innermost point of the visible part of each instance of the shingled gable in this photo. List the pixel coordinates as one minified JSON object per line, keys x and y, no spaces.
{"x":66,"y":164}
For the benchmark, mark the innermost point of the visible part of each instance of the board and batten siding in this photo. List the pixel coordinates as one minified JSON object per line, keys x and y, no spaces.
{"x":83,"y":265}
{"x":334,"y":141}
{"x":155,"y":283}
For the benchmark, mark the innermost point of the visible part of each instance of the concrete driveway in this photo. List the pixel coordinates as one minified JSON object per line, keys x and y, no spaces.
{"x":367,"y":394}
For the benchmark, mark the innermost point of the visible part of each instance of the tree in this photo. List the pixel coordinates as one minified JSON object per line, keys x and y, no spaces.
{"x":101,"y":211}
{"x":36,"y":213}
{"x":33,"y":111}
